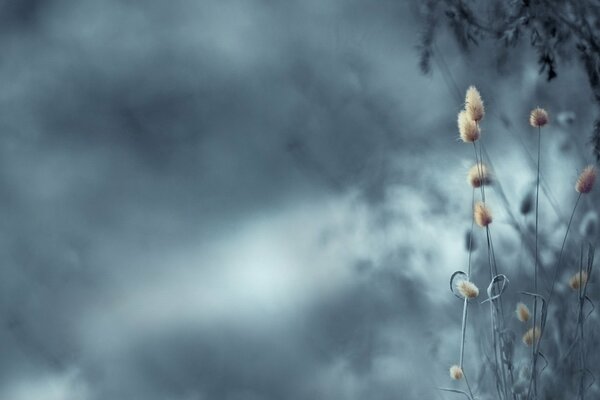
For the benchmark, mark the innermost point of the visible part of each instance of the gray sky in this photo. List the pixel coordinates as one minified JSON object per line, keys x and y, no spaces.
{"x":241,"y":199}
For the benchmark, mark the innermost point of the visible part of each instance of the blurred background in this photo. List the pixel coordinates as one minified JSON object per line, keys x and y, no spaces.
{"x":256,"y":199}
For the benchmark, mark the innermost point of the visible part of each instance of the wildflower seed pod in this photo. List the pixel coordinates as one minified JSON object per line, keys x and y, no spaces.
{"x":479,"y":175}
{"x":482,"y":214}
{"x":538,"y":117}
{"x":456,"y":372}
{"x":474,"y":104}
{"x":586,"y":179}
{"x":578,"y":280}
{"x":527,"y":203}
{"x":522,"y":312}
{"x":467,"y":289}
{"x":467,"y":128}
{"x":470,"y":243}
{"x":531,"y":336}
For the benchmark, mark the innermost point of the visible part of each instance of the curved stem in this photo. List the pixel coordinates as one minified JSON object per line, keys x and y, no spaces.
{"x":562,"y":248}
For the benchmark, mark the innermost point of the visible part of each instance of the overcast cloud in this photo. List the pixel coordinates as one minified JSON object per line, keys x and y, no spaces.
{"x":239,"y":199}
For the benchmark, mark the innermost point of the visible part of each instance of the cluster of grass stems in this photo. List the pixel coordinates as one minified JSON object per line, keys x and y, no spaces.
{"x":510,"y":382}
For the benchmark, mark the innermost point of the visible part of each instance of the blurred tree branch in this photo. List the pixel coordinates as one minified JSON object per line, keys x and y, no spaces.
{"x":556,"y":29}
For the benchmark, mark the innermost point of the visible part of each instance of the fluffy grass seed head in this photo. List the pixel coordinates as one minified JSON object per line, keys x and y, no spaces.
{"x":538,"y":117}
{"x":467,"y":128}
{"x":522,"y":312}
{"x":586,"y":179}
{"x":474,"y":104}
{"x":578,"y":280}
{"x":456,"y":372}
{"x":482,"y":214}
{"x":531,"y":336}
{"x":478,"y":175}
{"x":467,"y":289}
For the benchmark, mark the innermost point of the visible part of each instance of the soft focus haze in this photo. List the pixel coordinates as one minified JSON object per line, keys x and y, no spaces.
{"x":248,"y":200}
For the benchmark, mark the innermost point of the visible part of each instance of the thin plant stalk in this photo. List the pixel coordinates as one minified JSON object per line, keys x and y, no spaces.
{"x":580,"y":319}
{"x":495,"y":308}
{"x":468,"y":386}
{"x":554,"y":278}
{"x":535,"y":269}
{"x":562,"y":248}
{"x":466,"y":303}
{"x":584,"y":278}
{"x":478,"y":161}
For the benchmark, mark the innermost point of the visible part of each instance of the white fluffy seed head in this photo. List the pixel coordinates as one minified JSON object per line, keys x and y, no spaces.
{"x":538,"y":117}
{"x":467,"y":289}
{"x":467,"y":128}
{"x":474,"y":104}
{"x":478,"y":175}
{"x":531,"y":336}
{"x":482,"y":215}
{"x":456,"y":372}
{"x":585,"y":181}
{"x":578,"y":280}
{"x":522,"y":312}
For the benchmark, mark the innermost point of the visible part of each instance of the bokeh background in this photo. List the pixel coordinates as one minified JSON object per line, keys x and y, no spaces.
{"x":251,"y":200}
